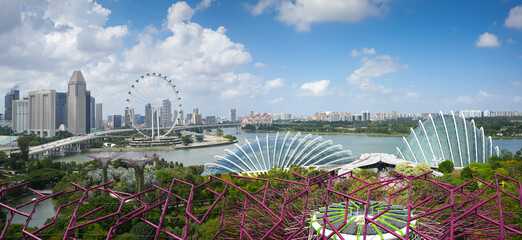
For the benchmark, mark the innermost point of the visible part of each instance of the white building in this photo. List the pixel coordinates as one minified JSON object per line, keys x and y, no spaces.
{"x":20,"y":115}
{"x":42,"y":113}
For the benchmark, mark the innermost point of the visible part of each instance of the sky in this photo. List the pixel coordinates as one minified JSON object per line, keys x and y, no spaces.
{"x":293,"y":56}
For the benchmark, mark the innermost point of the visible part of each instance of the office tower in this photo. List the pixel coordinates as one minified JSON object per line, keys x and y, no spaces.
{"x":92,"y":107}
{"x":20,"y":115}
{"x":42,"y":113}
{"x":148,"y":115}
{"x":365,"y":115}
{"x":88,"y":112}
{"x":129,"y":117}
{"x":189,"y":118}
{"x":181,"y":116}
{"x":175,"y":117}
{"x":13,"y":94}
{"x":195,"y":111}
{"x":99,"y":114}
{"x":116,"y":121}
{"x":196,"y":117}
{"x":166,"y":114}
{"x":77,"y":104}
{"x":61,"y":109}
{"x":232,"y":117}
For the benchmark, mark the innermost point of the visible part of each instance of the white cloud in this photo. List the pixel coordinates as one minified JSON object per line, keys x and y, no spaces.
{"x":510,"y":41}
{"x":483,"y":94}
{"x":480,"y":96}
{"x":517,"y":99}
{"x":277,"y":100}
{"x":53,"y":39}
{"x":410,"y":96}
{"x":204,"y":4}
{"x":365,"y":51}
{"x":314,"y":89}
{"x":516,"y":83}
{"x":514,"y":19}
{"x":372,"y":69}
{"x":276,"y":83}
{"x":259,"y":64}
{"x":302,"y":13}
{"x":487,"y":40}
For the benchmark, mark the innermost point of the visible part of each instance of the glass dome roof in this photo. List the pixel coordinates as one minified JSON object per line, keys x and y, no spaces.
{"x":446,"y":137}
{"x":261,"y":155}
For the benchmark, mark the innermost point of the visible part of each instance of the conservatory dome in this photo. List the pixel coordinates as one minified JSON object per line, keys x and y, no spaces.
{"x":446,"y":137}
{"x":261,"y":155}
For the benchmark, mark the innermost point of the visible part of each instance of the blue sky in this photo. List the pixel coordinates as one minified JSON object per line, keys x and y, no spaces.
{"x":274,"y":56}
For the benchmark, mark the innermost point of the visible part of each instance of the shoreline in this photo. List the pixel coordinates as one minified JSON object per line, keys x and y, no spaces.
{"x":208,"y":141}
{"x":340,"y":133}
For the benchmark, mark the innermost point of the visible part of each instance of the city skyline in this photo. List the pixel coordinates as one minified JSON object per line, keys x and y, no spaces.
{"x":269,"y":56}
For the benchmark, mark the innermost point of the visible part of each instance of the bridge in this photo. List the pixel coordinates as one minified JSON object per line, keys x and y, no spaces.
{"x":76,"y":143}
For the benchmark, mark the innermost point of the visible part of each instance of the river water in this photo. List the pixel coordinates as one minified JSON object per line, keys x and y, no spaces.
{"x":358,"y":144}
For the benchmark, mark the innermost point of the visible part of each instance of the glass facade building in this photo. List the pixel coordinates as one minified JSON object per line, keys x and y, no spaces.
{"x":449,"y":137}
{"x":261,"y":155}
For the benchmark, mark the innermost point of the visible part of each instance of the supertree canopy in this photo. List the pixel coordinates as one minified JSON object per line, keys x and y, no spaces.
{"x":448,"y":137}
{"x":104,"y":158}
{"x":139,"y":163}
{"x":262,"y":155}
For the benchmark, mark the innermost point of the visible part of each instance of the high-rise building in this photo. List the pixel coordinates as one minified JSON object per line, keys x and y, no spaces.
{"x":88,"y":112}
{"x":189,"y":120}
{"x":93,"y":112}
{"x":99,"y":114}
{"x":181,"y":116}
{"x":166,"y":114}
{"x":129,"y":117}
{"x":20,"y":115}
{"x":148,"y":115}
{"x":196,"y":117}
{"x":365,"y":115}
{"x":116,"y":121}
{"x":13,"y":94}
{"x":61,"y":109}
{"x":77,"y":104}
{"x":42,"y":113}
{"x":232,"y":116}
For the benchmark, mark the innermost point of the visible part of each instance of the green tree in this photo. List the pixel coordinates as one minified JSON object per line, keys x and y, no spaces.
{"x":186,"y":140}
{"x":466,"y":173}
{"x":219,"y":132}
{"x":446,"y":166}
{"x":23,"y":145}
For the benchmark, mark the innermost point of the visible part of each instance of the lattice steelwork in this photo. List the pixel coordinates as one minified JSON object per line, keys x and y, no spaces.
{"x":449,"y":137}
{"x":262,"y":155}
{"x":283,"y":209}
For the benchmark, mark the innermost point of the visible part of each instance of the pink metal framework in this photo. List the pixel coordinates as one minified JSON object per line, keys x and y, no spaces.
{"x":281,"y":209}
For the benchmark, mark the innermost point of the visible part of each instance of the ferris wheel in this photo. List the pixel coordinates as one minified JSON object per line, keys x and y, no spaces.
{"x":153,"y":106}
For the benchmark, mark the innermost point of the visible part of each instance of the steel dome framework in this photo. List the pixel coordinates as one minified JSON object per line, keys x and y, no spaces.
{"x":262,"y":155}
{"x":449,"y":137}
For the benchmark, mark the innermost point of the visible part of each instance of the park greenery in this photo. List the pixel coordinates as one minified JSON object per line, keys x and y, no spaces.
{"x":56,"y":175}
{"x":493,"y":126}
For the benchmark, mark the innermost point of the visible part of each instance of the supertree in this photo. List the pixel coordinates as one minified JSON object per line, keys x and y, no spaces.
{"x":139,"y":163}
{"x":104,"y":158}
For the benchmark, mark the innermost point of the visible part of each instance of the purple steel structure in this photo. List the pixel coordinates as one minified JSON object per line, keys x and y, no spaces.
{"x":139,"y":163}
{"x":283,"y":209}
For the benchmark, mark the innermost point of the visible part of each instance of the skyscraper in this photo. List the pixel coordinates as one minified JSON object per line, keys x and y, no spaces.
{"x":13,"y":94}
{"x":129,"y":117}
{"x":61,"y":109}
{"x":20,"y":115}
{"x":99,"y":116}
{"x":93,"y":112}
{"x":232,"y":116}
{"x":116,"y":121}
{"x":88,"y":112}
{"x":77,"y":104}
{"x":166,"y":114}
{"x":148,"y":115}
{"x":42,"y":113}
